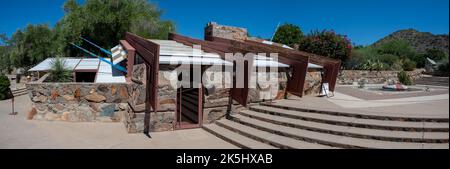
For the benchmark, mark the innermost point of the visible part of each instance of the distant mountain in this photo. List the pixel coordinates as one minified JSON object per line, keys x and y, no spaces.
{"x":420,"y":41}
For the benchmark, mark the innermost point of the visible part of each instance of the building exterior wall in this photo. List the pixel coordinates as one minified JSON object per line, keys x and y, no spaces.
{"x":78,"y":102}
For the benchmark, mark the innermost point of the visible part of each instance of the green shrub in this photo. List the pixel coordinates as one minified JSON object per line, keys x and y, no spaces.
{"x":59,"y":72}
{"x":4,"y":87}
{"x":435,"y":54}
{"x":373,"y":65}
{"x":400,"y":48}
{"x":327,"y":43}
{"x":404,"y":78}
{"x":408,"y":65}
{"x":442,"y":69}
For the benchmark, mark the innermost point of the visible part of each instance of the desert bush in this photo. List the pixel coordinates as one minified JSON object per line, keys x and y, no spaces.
{"x":59,"y":72}
{"x":404,"y":78}
{"x":4,"y":87}
{"x":373,"y":65}
{"x":443,"y":69}
{"x":408,"y":65}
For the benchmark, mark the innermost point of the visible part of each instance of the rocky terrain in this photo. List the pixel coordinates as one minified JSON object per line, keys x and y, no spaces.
{"x":420,"y":41}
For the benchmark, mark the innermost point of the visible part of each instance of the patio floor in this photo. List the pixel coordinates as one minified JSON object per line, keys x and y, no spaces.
{"x":17,"y":132}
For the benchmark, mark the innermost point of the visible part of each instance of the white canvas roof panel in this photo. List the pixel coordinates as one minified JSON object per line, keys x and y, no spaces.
{"x":88,"y":64}
{"x":174,"y":53}
{"x":105,"y":75}
{"x":47,"y":64}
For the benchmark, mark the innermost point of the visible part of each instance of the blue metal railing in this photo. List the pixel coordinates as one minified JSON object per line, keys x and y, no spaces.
{"x":118,"y":67}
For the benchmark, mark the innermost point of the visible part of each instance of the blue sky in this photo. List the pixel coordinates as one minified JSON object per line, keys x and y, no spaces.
{"x":364,"y":21}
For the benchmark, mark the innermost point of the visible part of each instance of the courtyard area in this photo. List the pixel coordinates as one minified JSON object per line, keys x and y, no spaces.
{"x":17,"y":132}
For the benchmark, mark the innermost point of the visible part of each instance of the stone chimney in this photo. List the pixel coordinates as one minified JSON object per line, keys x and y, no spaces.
{"x":228,"y":32}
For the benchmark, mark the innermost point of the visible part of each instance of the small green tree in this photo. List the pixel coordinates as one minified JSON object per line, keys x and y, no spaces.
{"x":4,"y":87}
{"x":327,"y":43}
{"x":443,"y":69}
{"x":399,"y":48}
{"x":404,"y":78}
{"x":435,"y":54}
{"x":59,"y":72}
{"x":288,"y":34}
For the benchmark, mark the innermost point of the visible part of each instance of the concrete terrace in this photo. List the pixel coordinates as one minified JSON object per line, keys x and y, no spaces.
{"x":17,"y":132}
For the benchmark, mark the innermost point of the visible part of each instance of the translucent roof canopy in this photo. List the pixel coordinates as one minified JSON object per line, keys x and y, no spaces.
{"x":174,"y":53}
{"x":46,"y":64}
{"x":104,"y":71}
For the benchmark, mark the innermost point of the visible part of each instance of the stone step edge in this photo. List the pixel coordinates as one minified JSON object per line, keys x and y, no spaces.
{"x":350,"y":124}
{"x":19,"y":94}
{"x":362,"y":116}
{"x":313,"y":140}
{"x":260,"y":139}
{"x":231,"y":141}
{"x":347,"y":134}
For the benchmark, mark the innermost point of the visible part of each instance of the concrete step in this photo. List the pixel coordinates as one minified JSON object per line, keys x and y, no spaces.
{"x":235,"y":138}
{"x":258,"y":126}
{"x":19,"y":92}
{"x":357,"y":132}
{"x":354,"y":121}
{"x":365,"y":115}
{"x":269,"y":138}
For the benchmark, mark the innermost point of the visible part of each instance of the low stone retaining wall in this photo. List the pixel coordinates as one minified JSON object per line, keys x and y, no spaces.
{"x":78,"y":102}
{"x":348,"y":77}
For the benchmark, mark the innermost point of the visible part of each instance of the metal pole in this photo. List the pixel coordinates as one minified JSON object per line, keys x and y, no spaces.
{"x":14,"y":113}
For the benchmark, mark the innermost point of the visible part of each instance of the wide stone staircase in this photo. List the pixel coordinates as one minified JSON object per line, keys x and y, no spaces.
{"x":433,"y":80}
{"x":266,"y":126}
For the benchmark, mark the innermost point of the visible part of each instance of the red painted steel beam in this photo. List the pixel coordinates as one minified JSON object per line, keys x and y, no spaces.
{"x":149,"y":52}
{"x":299,"y":63}
{"x":130,"y":59}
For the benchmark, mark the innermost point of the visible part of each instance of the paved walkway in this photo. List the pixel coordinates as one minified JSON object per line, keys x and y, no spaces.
{"x":17,"y":132}
{"x":421,"y":106}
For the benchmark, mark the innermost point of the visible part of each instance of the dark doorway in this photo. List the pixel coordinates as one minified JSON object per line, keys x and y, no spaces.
{"x":189,"y":108}
{"x":86,"y":77}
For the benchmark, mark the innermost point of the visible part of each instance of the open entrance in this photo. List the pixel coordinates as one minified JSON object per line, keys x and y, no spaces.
{"x":189,"y":108}
{"x":189,"y":111}
{"x":85,"y":77}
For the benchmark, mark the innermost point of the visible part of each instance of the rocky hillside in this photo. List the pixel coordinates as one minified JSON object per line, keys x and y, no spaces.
{"x":419,"y":40}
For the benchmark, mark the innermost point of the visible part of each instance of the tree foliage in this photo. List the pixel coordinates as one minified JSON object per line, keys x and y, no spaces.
{"x":4,"y":87}
{"x":394,"y":55}
{"x":101,"y":21}
{"x":32,"y":45}
{"x":327,"y":43}
{"x":106,"y":21}
{"x":435,"y":54}
{"x":288,"y":34}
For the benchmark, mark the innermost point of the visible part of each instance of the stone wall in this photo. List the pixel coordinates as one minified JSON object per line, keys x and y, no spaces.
{"x":227,"y":32}
{"x":349,"y":77}
{"x":163,"y":119}
{"x":215,"y":99}
{"x":78,"y":102}
{"x":313,"y":82}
